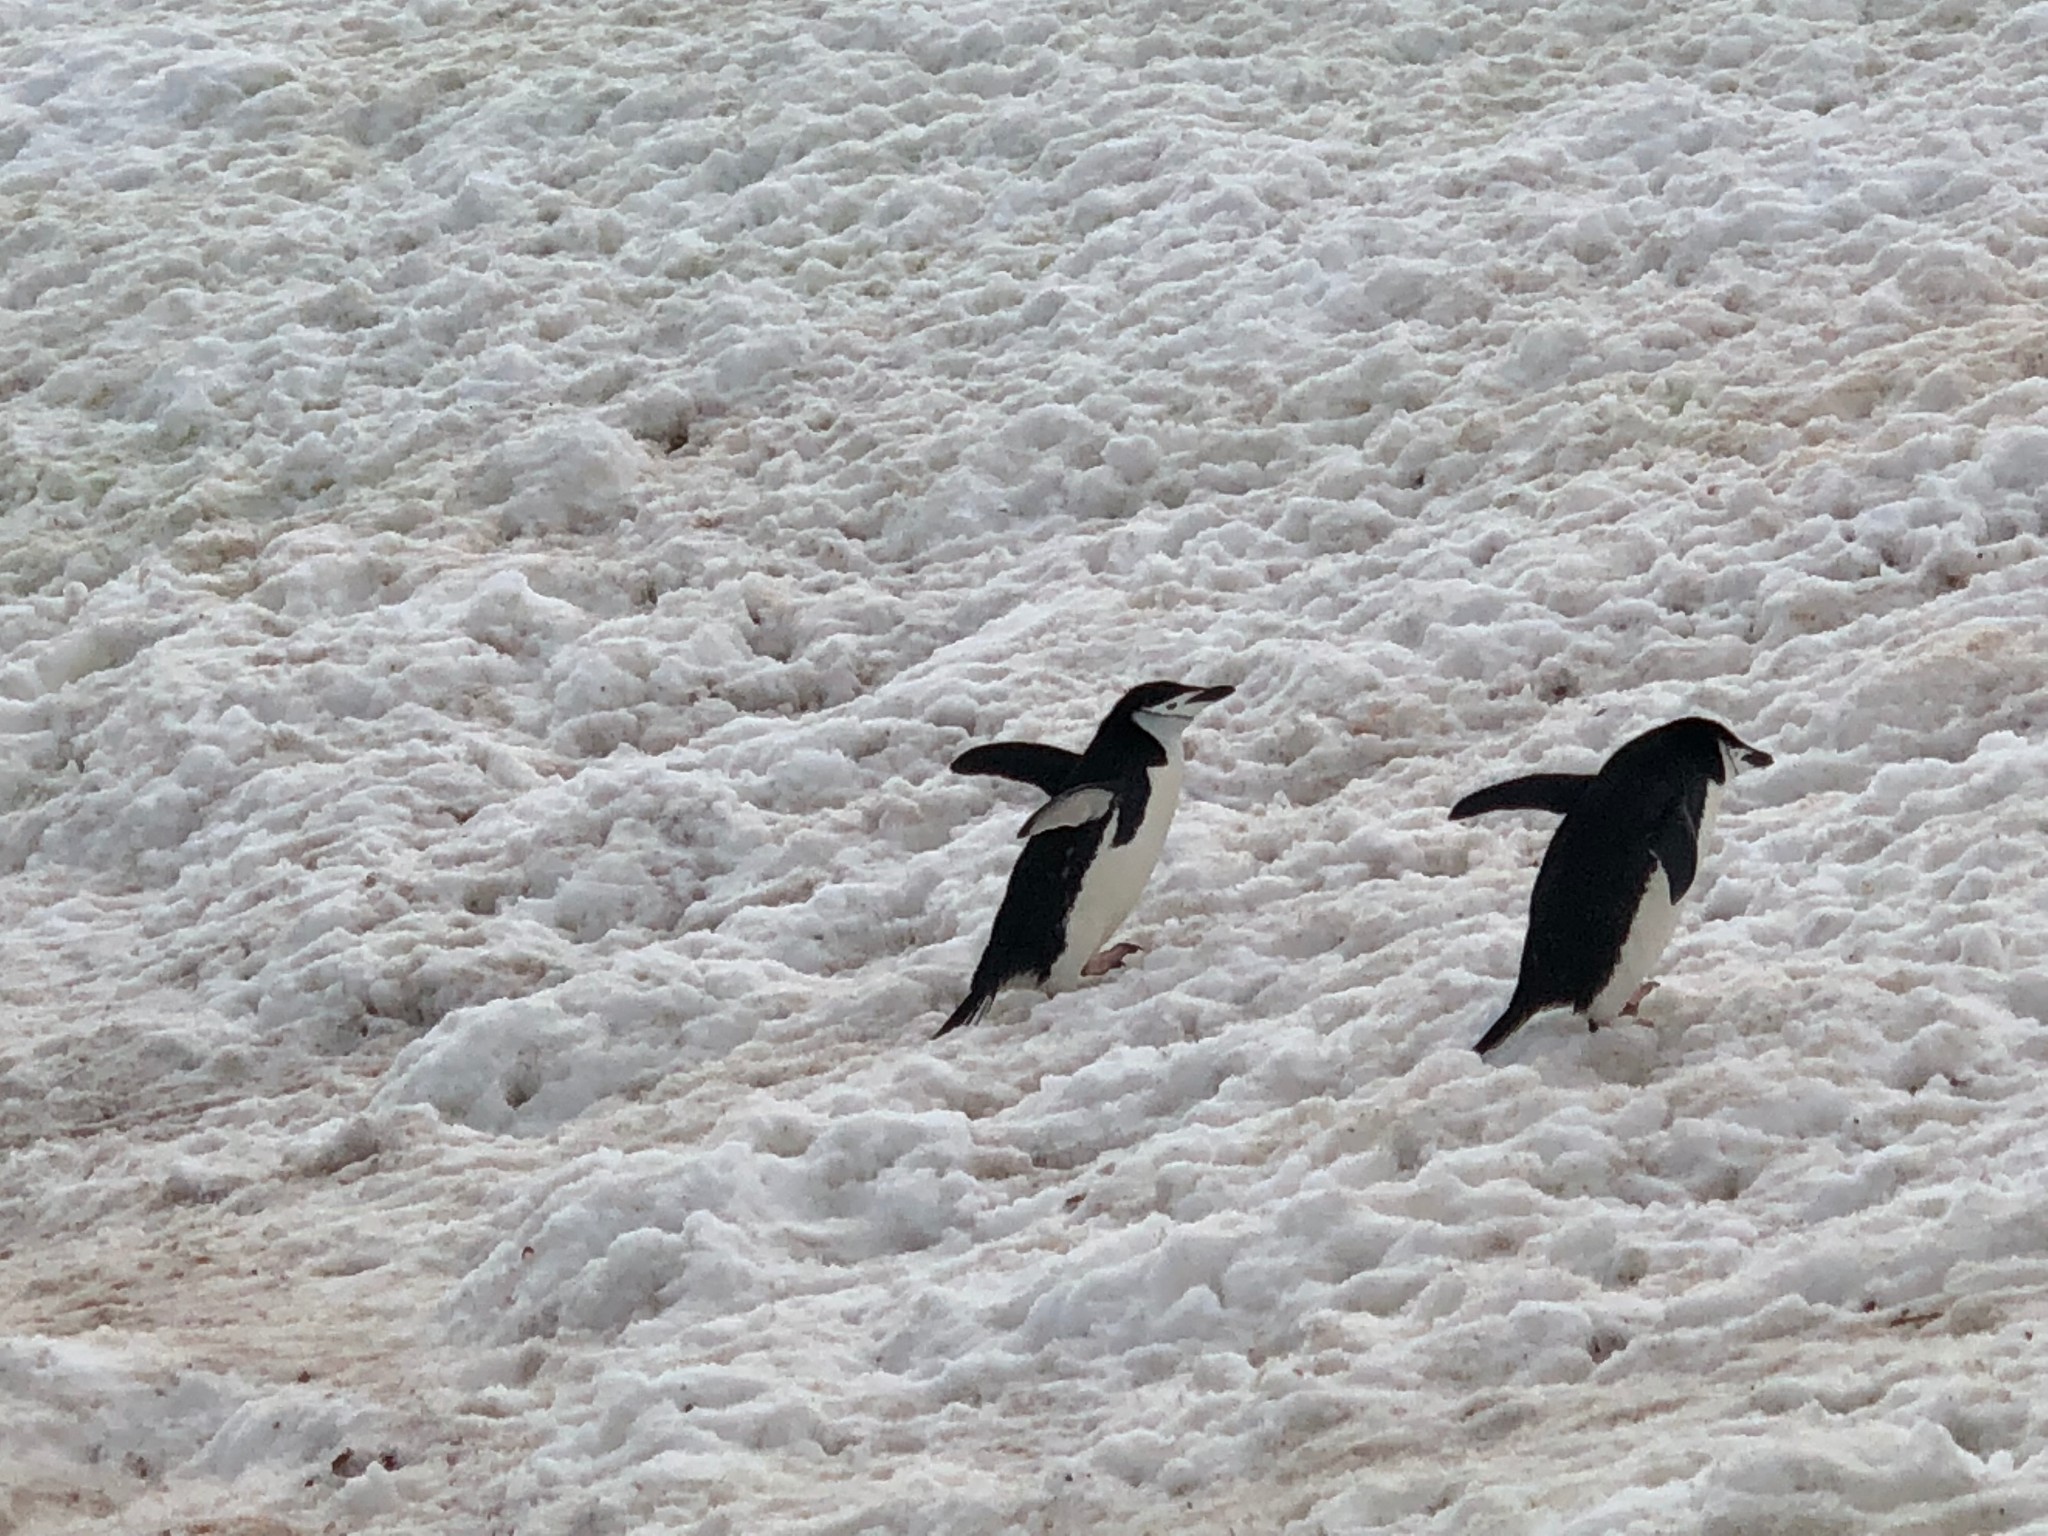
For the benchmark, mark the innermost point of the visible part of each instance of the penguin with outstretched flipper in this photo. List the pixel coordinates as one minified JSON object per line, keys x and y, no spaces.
{"x":1606,"y":897}
{"x":1089,"y":850}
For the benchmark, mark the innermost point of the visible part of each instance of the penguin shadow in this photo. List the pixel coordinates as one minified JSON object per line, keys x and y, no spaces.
{"x":1560,"y":1047}
{"x":989,"y":1072}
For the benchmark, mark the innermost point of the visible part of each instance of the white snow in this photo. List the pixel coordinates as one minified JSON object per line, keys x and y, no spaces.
{"x":506,"y":513}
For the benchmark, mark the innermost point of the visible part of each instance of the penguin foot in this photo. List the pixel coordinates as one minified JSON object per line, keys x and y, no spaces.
{"x":1628,"y":1009}
{"x":1109,"y":959}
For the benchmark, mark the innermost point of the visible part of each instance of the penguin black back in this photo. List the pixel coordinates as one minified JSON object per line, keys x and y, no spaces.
{"x":1030,"y":927}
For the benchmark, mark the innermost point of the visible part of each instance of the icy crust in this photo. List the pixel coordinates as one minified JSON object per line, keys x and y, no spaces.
{"x":90,"y":1430}
{"x":504,"y":516}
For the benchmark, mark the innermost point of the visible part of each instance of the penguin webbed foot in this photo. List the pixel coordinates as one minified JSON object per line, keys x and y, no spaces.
{"x":1110,"y":959}
{"x":1628,"y":1010}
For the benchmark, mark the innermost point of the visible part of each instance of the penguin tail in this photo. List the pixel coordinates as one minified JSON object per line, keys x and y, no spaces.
{"x":969,"y":1012}
{"x":1519,"y":1012}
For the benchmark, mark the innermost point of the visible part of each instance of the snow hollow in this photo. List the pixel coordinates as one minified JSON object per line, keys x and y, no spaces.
{"x":507,"y":511}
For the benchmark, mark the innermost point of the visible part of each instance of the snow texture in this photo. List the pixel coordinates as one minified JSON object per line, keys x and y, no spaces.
{"x":506,"y":513}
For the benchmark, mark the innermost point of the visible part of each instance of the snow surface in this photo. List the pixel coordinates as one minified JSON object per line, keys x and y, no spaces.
{"x":507,"y":512}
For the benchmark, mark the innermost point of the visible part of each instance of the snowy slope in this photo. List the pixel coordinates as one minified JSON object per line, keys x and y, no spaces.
{"x":506,"y":512}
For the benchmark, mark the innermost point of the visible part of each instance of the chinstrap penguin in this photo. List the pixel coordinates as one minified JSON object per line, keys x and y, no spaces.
{"x":1607,"y":894}
{"x":1089,"y":849}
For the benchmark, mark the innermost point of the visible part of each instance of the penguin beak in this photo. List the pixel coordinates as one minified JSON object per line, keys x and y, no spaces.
{"x":1755,"y":757}
{"x":1203,"y":697}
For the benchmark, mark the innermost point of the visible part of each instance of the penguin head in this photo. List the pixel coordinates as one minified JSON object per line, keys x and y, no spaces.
{"x":1719,"y":746}
{"x":1164,"y":709}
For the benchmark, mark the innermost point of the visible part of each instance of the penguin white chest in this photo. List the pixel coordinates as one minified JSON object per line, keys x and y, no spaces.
{"x":1655,"y":920}
{"x":1707,"y":815}
{"x":1116,"y":878}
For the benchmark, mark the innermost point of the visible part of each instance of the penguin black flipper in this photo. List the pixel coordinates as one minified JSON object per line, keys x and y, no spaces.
{"x":1675,"y":838}
{"x":1027,"y":762}
{"x":1557,"y":792}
